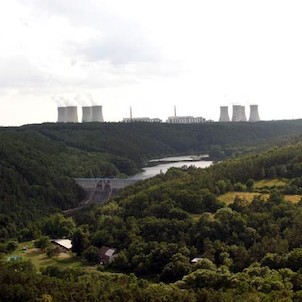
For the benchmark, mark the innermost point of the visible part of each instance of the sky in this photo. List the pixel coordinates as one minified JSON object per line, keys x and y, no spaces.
{"x":197,"y":55}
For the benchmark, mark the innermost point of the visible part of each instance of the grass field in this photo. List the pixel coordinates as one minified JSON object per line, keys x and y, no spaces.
{"x":40,"y":259}
{"x":270,"y":183}
{"x":229,"y":197}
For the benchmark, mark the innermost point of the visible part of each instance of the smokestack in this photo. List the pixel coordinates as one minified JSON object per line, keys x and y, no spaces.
{"x":71,"y":114}
{"x":254,"y":114}
{"x":87,"y":114}
{"x":236,"y":113}
{"x":224,"y":114}
{"x":97,"y":114}
{"x":61,"y":114}
{"x":174,"y":110}
{"x":243,"y":116}
{"x":130,"y":113}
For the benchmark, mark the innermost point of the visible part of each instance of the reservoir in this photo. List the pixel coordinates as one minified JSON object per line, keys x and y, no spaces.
{"x":161,"y":165}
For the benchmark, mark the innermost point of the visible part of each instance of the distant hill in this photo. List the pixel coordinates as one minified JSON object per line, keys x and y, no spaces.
{"x":138,"y":141}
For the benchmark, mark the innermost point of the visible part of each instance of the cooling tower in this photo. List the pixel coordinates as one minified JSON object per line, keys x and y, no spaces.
{"x":236,"y":113}
{"x":71,"y":114}
{"x":97,"y":114}
{"x":224,"y":114}
{"x":87,"y":114}
{"x":61,"y":114}
{"x":254,"y":114}
{"x":243,"y":116}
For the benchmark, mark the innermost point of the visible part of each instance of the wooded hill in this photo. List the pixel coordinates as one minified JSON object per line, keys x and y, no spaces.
{"x":250,"y":250}
{"x":38,"y":162}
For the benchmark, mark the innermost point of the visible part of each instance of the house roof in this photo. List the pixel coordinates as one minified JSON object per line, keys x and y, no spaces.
{"x":110,"y":252}
{"x":107,"y":251}
{"x":195,"y":260}
{"x":66,"y":243}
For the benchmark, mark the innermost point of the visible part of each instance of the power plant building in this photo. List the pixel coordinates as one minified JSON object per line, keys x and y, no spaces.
{"x":185,"y":120}
{"x":224,"y":114}
{"x":68,"y":114}
{"x":141,"y":119}
{"x":239,"y":114}
{"x":243,"y":116}
{"x":86,"y":114}
{"x":97,"y":114}
{"x":61,"y":114}
{"x":71,"y":114}
{"x":254,"y":114}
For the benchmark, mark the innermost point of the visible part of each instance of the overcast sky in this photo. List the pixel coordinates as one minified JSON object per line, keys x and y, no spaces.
{"x":151,"y":55}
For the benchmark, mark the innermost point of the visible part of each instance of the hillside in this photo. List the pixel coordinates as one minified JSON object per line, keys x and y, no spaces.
{"x":249,"y":247}
{"x":140,"y":141}
{"x":38,"y":162}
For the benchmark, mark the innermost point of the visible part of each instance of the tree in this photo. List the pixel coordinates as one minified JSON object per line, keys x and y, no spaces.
{"x":250,"y":183}
{"x":43,"y":242}
{"x":91,"y":255}
{"x":176,"y":268}
{"x":52,"y":251}
{"x":80,"y":242}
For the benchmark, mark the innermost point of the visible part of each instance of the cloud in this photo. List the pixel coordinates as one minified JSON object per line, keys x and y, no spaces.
{"x":19,"y":71}
{"x":119,"y":49}
{"x":119,"y":39}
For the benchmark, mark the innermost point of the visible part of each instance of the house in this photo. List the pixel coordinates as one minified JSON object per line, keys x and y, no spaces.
{"x":195,"y":260}
{"x":64,"y":245}
{"x":106,"y":254}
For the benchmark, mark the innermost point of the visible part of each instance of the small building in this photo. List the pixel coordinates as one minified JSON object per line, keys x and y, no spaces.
{"x":185,"y":120}
{"x":64,"y":245}
{"x":107,"y":255}
{"x":195,"y":260}
{"x":141,"y":119}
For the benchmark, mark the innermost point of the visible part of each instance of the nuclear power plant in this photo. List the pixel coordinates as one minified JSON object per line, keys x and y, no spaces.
{"x":239,"y":114}
{"x":224,"y":114}
{"x":69,"y":114}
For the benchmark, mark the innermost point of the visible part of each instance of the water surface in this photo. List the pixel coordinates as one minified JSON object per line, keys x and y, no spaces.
{"x":169,"y":162}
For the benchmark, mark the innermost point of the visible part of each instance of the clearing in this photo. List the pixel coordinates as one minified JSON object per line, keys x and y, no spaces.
{"x":40,"y":259}
{"x":229,"y":197}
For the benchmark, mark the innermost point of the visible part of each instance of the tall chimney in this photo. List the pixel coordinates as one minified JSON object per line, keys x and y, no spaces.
{"x":254,"y":114}
{"x":174,"y":110}
{"x":224,"y":114}
{"x":97,"y":114}
{"x":87,"y":114}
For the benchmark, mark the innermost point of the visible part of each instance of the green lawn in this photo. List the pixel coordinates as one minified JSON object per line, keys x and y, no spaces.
{"x":40,"y":259}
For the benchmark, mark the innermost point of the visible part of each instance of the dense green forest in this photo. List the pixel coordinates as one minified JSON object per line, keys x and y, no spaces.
{"x":249,"y":250}
{"x":38,"y":162}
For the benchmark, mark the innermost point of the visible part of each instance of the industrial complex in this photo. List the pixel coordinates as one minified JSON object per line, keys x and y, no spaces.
{"x":239,"y":114}
{"x":69,"y":114}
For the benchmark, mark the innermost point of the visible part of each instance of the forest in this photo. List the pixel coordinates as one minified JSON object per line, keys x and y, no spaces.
{"x":247,"y":249}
